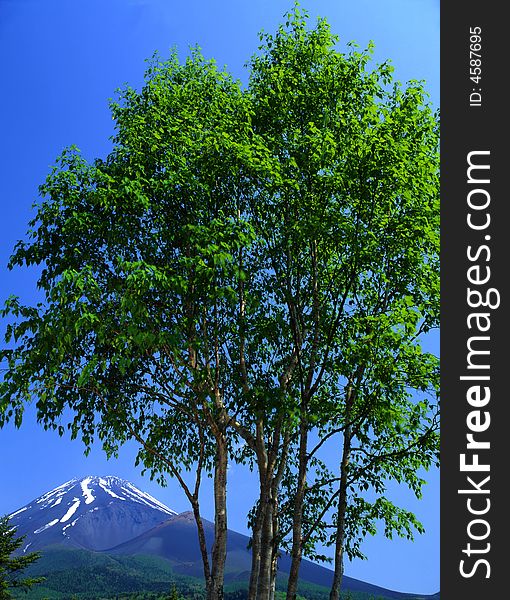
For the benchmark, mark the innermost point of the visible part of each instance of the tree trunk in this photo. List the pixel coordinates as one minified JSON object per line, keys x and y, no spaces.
{"x":275,"y":547}
{"x":342,"y":509}
{"x":203,"y":546}
{"x":339,"y":545}
{"x":255,"y":553}
{"x":274,"y":571}
{"x":266,"y":543}
{"x":297,"y":524}
{"x":219,"y":549}
{"x":259,"y":448}
{"x":262,"y":535}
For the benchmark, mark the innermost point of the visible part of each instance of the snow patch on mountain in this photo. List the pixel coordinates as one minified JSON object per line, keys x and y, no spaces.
{"x":18,"y":512}
{"x":72,"y":524}
{"x":55,"y":493}
{"x":87,"y":492}
{"x":71,"y":511}
{"x":47,"y":526}
{"x":144,"y":498}
{"x":104,"y":486}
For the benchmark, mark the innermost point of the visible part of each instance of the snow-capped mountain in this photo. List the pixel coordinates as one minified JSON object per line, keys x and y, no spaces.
{"x":95,"y":513}
{"x":111,"y":516}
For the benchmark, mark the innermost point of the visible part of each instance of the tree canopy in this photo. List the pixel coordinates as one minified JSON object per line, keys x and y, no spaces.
{"x":12,"y":565}
{"x":251,"y":268}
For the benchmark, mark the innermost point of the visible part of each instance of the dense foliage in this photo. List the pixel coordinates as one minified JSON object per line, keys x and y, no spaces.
{"x":73,"y":574}
{"x":248,"y":270}
{"x":12,"y":564}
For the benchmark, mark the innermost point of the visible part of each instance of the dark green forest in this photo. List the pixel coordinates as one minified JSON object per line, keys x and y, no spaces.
{"x":68,"y":573}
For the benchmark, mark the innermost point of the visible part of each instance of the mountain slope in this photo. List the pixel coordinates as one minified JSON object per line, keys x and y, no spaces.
{"x":76,"y":574}
{"x":176,"y":540}
{"x":104,"y":530}
{"x":93,"y":513}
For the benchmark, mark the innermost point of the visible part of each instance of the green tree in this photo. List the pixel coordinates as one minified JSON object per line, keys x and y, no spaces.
{"x":351,"y":238}
{"x":12,"y":566}
{"x":174,"y":594}
{"x":248,"y":270}
{"x":140,"y":255}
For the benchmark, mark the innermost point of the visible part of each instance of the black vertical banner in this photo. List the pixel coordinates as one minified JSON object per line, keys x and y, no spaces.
{"x":475,"y":258}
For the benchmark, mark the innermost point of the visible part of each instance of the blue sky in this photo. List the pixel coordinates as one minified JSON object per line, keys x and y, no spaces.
{"x":60,"y":61}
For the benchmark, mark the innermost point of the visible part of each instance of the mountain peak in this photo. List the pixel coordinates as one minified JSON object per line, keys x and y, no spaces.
{"x":87,"y":489}
{"x":93,"y":512}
